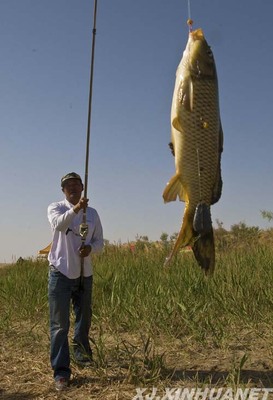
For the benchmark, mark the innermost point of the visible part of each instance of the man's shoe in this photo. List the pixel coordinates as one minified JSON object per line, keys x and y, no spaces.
{"x":83,"y":359}
{"x":61,"y":384}
{"x":85,"y":364}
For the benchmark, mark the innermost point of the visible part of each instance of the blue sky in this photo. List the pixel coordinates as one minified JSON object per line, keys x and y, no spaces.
{"x":44,"y":80}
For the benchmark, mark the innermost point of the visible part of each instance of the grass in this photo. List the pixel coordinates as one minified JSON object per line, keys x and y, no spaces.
{"x":151,"y":327}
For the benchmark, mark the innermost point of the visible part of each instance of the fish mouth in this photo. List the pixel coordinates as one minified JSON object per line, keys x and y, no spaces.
{"x":197,"y":34}
{"x":201,"y":60}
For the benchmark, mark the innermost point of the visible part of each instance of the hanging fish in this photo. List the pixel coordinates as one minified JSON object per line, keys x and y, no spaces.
{"x":197,"y":144}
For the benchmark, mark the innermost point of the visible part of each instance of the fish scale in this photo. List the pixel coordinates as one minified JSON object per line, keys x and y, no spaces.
{"x":199,"y":147}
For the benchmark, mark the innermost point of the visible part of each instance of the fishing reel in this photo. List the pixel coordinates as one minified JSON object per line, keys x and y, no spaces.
{"x":83,"y":230}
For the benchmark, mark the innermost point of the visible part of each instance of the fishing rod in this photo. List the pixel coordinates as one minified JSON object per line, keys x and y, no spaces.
{"x":84,"y":226}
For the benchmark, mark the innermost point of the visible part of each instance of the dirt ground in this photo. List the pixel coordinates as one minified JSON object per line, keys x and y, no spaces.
{"x":25,"y":372}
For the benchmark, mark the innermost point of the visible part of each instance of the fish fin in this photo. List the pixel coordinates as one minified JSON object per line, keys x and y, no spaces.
{"x":171,"y":146}
{"x":188,"y":96}
{"x":221,"y":138}
{"x":184,"y":97}
{"x":173,"y":189}
{"x":202,"y":219}
{"x":177,"y":124}
{"x":185,"y":237}
{"x":204,"y":252}
{"x":185,"y":94}
{"x":217,"y":190}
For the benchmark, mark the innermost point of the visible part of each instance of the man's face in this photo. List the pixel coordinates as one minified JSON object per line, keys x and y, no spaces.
{"x":73,"y":189}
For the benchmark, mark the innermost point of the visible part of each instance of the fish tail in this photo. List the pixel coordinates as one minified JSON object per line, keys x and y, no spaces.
{"x":173,"y":189}
{"x":204,"y":252}
{"x":185,"y":236}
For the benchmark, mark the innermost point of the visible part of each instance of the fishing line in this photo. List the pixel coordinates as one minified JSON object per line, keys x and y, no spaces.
{"x":189,"y":21}
{"x":84,"y":226}
{"x":189,"y":9}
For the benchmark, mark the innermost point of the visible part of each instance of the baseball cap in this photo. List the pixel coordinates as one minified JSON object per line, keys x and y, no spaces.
{"x":71,"y":175}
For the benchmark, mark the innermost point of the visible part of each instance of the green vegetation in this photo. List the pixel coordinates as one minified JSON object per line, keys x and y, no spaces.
{"x":149,"y":322}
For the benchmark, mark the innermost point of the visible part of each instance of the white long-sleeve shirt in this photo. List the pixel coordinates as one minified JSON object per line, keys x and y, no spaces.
{"x":65,"y":225}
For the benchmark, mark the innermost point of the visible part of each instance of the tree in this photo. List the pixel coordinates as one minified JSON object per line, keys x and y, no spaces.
{"x":267,"y":215}
{"x":242,"y":231}
{"x":173,"y":237}
{"x":164,"y":237}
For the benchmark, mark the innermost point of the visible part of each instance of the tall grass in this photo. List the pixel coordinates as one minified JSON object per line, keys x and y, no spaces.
{"x":23,"y":293}
{"x":132,"y":291}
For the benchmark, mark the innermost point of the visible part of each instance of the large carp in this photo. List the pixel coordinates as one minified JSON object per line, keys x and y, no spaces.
{"x":197,"y":144}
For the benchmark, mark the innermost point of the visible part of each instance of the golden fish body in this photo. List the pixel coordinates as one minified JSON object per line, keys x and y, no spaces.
{"x":197,"y":143}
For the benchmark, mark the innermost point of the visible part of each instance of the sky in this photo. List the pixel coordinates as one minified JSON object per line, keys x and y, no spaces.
{"x":45,"y":50}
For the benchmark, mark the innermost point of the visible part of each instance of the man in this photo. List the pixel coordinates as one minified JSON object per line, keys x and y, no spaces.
{"x":70,"y":276}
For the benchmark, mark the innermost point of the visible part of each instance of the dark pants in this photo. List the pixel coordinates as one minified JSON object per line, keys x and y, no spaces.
{"x":61,"y":290}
